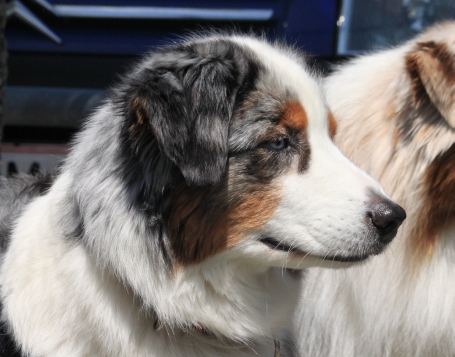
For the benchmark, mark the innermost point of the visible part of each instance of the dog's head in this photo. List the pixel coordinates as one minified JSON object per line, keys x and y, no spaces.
{"x":226,"y":145}
{"x":397,"y":121}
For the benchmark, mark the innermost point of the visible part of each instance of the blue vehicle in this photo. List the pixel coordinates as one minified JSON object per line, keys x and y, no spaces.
{"x":85,"y":33}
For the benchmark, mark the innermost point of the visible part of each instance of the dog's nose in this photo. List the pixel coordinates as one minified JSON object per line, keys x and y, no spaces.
{"x":386,"y":216}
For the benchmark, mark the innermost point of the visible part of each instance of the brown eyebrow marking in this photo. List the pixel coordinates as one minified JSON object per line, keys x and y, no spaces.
{"x":203,"y":224}
{"x":294,"y":116}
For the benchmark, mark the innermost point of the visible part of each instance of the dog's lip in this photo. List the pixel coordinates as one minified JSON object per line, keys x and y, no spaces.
{"x":351,"y":259}
{"x":274,"y":244}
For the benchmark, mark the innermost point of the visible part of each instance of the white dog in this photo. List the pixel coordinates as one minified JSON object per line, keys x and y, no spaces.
{"x":207,"y":173}
{"x":396,"y":112}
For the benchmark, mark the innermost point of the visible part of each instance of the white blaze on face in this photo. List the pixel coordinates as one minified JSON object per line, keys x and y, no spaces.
{"x":323,"y":210}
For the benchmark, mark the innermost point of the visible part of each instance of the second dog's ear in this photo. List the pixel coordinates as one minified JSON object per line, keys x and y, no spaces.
{"x":187,"y":98}
{"x":432,"y":69}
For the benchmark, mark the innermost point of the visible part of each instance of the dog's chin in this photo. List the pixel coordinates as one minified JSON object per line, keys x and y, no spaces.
{"x":306,"y":260}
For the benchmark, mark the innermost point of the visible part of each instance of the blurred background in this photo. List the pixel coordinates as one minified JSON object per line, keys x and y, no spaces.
{"x":58,"y":57}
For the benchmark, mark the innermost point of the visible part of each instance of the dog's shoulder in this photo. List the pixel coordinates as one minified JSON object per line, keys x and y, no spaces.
{"x":15,"y":193}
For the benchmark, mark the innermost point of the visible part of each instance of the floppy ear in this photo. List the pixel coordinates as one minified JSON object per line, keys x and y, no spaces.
{"x":431,"y":66}
{"x":187,"y":97}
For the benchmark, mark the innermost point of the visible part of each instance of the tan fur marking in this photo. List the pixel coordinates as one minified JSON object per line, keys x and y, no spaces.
{"x":139,"y":108}
{"x":252,"y":213}
{"x":294,"y":116}
{"x":202,"y":223}
{"x":193,"y":232}
{"x":333,"y":126}
{"x":138,"y":105}
{"x":140,"y":124}
{"x":439,"y":209}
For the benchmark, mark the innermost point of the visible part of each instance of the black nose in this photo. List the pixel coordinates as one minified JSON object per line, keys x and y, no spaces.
{"x":386,"y":216}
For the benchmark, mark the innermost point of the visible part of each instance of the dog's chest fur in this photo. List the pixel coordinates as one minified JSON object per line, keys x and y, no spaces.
{"x":90,"y":305}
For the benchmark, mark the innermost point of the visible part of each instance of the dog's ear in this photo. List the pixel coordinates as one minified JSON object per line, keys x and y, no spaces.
{"x":187,"y":96}
{"x":431,"y":66}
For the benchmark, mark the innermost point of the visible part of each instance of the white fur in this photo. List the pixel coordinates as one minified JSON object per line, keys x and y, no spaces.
{"x":102,"y":298}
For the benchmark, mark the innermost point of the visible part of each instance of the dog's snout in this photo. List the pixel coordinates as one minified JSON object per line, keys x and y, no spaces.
{"x":386,"y":216}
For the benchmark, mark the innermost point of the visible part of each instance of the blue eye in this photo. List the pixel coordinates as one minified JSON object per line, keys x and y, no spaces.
{"x":279,"y":144}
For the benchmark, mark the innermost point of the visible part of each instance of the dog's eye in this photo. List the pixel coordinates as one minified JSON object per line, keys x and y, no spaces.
{"x":279,"y":144}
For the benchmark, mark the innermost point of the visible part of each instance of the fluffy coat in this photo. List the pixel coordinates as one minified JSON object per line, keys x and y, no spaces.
{"x":397,"y":122}
{"x":185,"y":209}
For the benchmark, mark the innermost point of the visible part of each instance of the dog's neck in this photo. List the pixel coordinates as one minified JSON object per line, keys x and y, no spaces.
{"x":228,"y":300}
{"x":231,"y":294}
{"x":202,"y":332}
{"x":232,"y":299}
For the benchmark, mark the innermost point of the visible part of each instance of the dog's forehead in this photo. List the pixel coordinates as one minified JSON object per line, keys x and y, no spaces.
{"x":285,"y":93}
{"x":261,"y":115}
{"x":287,"y":73}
